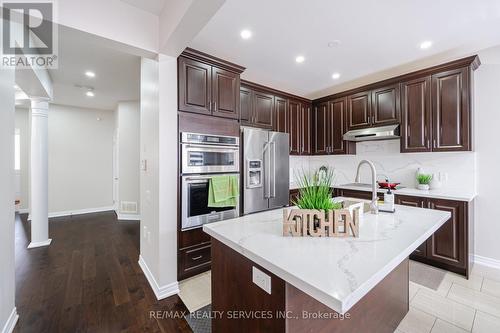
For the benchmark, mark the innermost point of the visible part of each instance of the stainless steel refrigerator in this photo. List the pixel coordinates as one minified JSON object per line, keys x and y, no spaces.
{"x":265,"y":170}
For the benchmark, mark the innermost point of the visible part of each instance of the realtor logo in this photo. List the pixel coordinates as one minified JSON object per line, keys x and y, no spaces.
{"x":28,"y":35}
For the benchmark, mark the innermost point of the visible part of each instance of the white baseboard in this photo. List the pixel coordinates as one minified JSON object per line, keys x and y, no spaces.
{"x":11,"y":322}
{"x":33,"y":245}
{"x":80,"y":211}
{"x":485,"y":261}
{"x":160,"y":292}
{"x":128,"y":217}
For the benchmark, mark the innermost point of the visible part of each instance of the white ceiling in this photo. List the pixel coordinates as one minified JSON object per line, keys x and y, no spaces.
{"x":152,"y":6}
{"x":375,"y":36}
{"x":117,"y":73}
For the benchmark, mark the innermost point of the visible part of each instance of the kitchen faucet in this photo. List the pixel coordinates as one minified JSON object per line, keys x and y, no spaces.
{"x":373,"y":204}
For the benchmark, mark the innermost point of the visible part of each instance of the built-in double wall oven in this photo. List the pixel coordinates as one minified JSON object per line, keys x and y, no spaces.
{"x":202,"y":157}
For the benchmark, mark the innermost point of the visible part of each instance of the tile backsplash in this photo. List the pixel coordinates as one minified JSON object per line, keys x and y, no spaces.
{"x":458,"y":169}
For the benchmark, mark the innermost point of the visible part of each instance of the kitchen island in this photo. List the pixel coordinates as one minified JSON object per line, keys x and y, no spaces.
{"x":264,"y":282}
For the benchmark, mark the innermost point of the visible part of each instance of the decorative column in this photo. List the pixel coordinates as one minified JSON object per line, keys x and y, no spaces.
{"x":39,"y":173}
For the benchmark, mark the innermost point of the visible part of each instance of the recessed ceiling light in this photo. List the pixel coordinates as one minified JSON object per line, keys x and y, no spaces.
{"x":300,"y":59}
{"x":90,"y":74}
{"x":335,"y":76}
{"x":334,"y":43}
{"x":426,"y":44}
{"x":245,"y":34}
{"x":90,"y":94}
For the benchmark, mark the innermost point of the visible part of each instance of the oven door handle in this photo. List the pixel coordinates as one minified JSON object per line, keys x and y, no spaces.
{"x":213,"y":147}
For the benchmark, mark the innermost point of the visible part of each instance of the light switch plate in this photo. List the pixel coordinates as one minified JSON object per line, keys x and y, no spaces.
{"x":261,"y":279}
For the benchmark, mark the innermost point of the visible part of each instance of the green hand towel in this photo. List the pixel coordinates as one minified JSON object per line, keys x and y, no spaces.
{"x":223,"y":191}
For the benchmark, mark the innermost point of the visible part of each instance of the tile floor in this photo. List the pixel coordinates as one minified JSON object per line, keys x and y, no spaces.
{"x":196,"y":292}
{"x":458,"y":305}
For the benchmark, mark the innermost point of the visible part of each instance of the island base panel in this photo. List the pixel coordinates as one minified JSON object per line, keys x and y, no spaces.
{"x":235,"y":297}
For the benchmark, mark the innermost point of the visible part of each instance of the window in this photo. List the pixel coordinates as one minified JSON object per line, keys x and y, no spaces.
{"x":17,"y":150}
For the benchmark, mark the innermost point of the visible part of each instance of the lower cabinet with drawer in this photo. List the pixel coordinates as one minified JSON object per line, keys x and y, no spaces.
{"x":194,"y":260}
{"x":193,"y":254}
{"x":448,"y":247}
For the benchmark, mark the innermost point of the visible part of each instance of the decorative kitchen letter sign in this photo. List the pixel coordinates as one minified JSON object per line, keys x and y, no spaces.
{"x":315,"y":223}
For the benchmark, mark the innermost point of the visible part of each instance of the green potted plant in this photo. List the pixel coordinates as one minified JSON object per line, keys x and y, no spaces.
{"x":423,"y":181}
{"x":315,"y":190}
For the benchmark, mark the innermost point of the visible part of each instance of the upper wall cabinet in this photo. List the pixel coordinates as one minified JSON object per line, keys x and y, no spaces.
{"x":208,"y":85}
{"x":451,"y":114}
{"x":416,"y":115}
{"x":329,"y":127}
{"x":386,"y":105}
{"x":359,"y":110}
{"x":281,"y":114}
{"x":436,"y":109}
{"x":195,"y":86}
{"x":257,"y":108}
{"x":433,"y":107}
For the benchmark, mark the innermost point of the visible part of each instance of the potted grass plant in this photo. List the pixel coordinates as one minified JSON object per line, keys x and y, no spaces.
{"x":315,"y":191}
{"x":317,"y":214}
{"x":423,"y":181}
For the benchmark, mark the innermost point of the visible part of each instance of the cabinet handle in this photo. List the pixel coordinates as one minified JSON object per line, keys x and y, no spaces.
{"x":197,"y":258}
{"x":428,"y":143}
{"x":434,"y":143}
{"x":422,"y":204}
{"x":215,"y":106}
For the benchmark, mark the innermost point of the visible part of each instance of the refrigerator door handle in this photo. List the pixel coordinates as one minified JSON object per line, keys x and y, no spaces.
{"x":272,"y":186}
{"x":267,"y":172}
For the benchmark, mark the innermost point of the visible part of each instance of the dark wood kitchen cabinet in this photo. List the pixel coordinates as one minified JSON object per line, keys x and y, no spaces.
{"x":321,"y":129}
{"x":416,"y":115}
{"x":421,"y":251}
{"x":448,"y":247}
{"x":225,"y":93}
{"x":329,"y":128}
{"x":386,"y":105}
{"x":280,"y":114}
{"x":359,"y":110}
{"x":377,"y":107}
{"x":294,"y":112}
{"x":208,"y":85}
{"x":451,"y":116}
{"x":195,"y":86}
{"x":257,"y":108}
{"x":432,"y":105}
{"x":245,"y":104}
{"x":305,"y":127}
{"x":263,"y":109}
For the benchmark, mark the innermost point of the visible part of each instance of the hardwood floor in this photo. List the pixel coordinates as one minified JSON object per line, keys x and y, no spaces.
{"x":88,"y":280}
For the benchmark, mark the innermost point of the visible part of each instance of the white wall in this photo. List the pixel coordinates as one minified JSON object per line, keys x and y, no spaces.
{"x":168,"y":169}
{"x":112,"y":19}
{"x":460,"y":167}
{"x":159,"y":179}
{"x":23,"y":123}
{"x":7,"y":271}
{"x":80,"y":158}
{"x":128,"y":119}
{"x":487,"y":85}
{"x":149,"y":174}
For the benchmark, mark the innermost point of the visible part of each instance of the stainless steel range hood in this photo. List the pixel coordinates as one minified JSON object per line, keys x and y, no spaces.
{"x":389,"y":132}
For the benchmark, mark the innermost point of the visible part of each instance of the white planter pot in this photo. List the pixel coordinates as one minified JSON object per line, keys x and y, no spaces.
{"x":423,"y":187}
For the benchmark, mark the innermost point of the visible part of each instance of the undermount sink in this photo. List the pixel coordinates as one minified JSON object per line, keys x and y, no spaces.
{"x":358,"y":185}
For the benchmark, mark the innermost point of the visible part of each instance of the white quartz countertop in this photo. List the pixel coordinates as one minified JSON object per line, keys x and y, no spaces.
{"x":451,"y":194}
{"x":336,"y":271}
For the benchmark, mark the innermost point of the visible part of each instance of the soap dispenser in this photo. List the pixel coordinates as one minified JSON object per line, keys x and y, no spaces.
{"x":388,"y":205}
